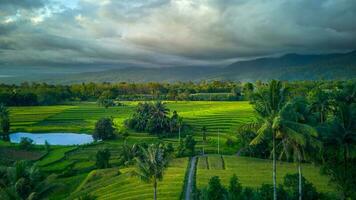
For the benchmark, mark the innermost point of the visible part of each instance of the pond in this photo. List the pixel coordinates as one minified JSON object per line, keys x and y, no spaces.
{"x":53,"y":138}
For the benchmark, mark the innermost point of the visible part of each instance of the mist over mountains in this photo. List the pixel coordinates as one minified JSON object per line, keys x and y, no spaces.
{"x":286,"y":67}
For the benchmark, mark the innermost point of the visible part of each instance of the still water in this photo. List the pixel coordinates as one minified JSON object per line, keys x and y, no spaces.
{"x":53,"y":138}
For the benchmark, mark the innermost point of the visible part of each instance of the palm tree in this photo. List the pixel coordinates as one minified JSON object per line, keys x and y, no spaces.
{"x":24,"y":181}
{"x":151,"y":165}
{"x":320,"y":103}
{"x":4,"y":120}
{"x":295,"y":136}
{"x":343,"y":127}
{"x":159,"y":114}
{"x":267,"y":102}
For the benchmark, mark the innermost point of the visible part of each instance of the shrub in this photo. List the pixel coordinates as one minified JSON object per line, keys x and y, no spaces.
{"x":235,"y":188}
{"x":189,"y":143}
{"x":216,"y":191}
{"x":104,"y":129}
{"x":26,"y":143}
{"x":102,"y":158}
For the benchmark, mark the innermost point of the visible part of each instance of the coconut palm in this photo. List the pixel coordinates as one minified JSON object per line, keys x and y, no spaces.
{"x":267,"y":101}
{"x":24,"y":181}
{"x":296,"y":136}
{"x":343,"y":130}
{"x":320,"y":103}
{"x":151,"y":165}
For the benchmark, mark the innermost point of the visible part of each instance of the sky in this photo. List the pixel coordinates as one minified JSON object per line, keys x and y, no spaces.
{"x":160,"y":33}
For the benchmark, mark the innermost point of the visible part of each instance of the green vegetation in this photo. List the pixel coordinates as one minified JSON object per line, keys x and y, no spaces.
{"x":304,"y":122}
{"x":253,"y":172}
{"x":108,"y":184}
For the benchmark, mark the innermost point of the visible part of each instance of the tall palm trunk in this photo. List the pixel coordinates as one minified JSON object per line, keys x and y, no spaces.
{"x":274,"y":166}
{"x":300,"y":178}
{"x":155,"y":190}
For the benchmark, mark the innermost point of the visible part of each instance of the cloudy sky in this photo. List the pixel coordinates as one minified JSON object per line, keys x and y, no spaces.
{"x":83,"y":33}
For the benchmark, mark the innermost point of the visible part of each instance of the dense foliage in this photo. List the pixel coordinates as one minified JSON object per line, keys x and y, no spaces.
{"x":102,"y":158}
{"x":27,"y":94}
{"x":24,"y":181}
{"x":307,"y":123}
{"x":154,"y":118}
{"x":235,"y":191}
{"x":104,"y":129}
{"x":4,"y":121}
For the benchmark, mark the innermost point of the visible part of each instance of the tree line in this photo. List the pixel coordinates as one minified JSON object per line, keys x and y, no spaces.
{"x":305,"y":124}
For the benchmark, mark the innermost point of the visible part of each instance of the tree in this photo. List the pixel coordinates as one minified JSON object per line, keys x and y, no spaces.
{"x":267,"y":102}
{"x":128,"y":153}
{"x":151,"y":165}
{"x":104,"y":129}
{"x":235,"y":188}
{"x":320,"y":103}
{"x":25,"y":181}
{"x":295,"y":136}
{"x":339,"y":141}
{"x":292,"y":181}
{"x":189,"y":143}
{"x":4,"y":121}
{"x":159,"y":121}
{"x":25,"y":143}
{"x":215,"y":190}
{"x":103,"y":158}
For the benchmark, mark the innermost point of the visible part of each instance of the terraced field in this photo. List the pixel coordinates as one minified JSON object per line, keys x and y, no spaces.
{"x":108,"y":184}
{"x":218,"y":117}
{"x":28,"y":118}
{"x":253,"y":172}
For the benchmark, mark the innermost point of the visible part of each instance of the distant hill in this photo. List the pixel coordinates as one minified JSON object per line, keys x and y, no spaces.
{"x":293,"y":67}
{"x":286,"y":67}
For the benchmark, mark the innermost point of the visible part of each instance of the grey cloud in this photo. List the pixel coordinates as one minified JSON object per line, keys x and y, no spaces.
{"x":176,"y":32}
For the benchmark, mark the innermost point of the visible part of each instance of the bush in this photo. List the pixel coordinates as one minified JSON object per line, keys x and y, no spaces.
{"x":104,"y":129}
{"x":189,"y":143}
{"x":235,"y":188}
{"x":26,"y":143}
{"x":229,"y":142}
{"x":216,"y":191}
{"x":291,"y":183}
{"x":102,"y":158}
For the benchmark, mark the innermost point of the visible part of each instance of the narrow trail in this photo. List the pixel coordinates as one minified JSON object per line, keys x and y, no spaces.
{"x":188,"y":189}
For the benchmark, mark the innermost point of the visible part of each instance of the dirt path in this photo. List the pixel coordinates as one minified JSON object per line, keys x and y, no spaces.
{"x":188,"y":189}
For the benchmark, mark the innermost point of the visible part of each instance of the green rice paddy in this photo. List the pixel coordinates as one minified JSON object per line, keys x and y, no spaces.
{"x":253,"y":172}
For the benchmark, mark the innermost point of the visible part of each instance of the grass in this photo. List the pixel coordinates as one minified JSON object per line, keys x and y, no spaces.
{"x":222,"y":117}
{"x":55,"y":155}
{"x":28,"y":118}
{"x":107,"y":184}
{"x":254,"y":172}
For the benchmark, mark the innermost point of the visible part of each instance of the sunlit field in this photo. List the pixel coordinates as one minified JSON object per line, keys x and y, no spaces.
{"x":108,"y":184}
{"x":253,"y":172}
{"x":218,"y":117}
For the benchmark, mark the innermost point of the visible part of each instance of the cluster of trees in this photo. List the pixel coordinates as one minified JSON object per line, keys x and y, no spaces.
{"x":154,"y":118}
{"x":315,"y":124}
{"x":27,"y":94}
{"x":288,"y":190}
{"x":24,"y":181}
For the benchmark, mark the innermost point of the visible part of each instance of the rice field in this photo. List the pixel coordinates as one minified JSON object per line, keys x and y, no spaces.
{"x":108,"y":184}
{"x":253,"y":172}
{"x":219,"y":118}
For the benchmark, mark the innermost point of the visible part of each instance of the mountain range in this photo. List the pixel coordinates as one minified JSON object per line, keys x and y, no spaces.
{"x":286,"y":67}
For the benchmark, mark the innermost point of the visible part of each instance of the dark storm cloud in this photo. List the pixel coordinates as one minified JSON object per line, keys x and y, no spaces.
{"x":170,"y":32}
